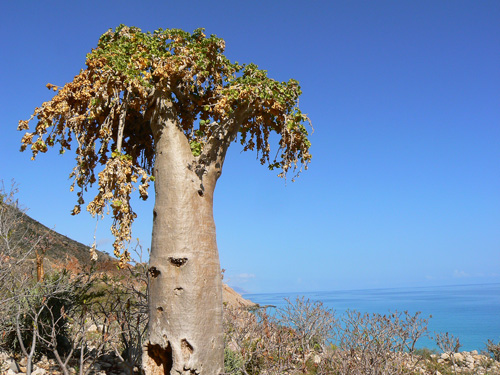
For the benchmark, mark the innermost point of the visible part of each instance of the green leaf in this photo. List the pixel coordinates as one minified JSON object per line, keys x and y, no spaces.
{"x":195,"y":148}
{"x":116,"y":203}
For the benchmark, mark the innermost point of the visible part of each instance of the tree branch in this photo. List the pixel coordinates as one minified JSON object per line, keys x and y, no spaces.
{"x":121,"y":124}
{"x":222,"y":136}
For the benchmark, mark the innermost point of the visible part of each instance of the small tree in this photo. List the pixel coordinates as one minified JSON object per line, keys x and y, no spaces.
{"x":164,"y":107}
{"x":17,"y":244}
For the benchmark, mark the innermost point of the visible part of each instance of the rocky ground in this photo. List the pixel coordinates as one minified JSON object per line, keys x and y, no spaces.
{"x":471,"y":363}
{"x":467,"y":363}
{"x":458,"y":363}
{"x":107,"y":364}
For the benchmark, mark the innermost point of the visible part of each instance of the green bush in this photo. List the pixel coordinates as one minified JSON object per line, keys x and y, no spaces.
{"x":233,"y":362}
{"x":425,"y":352}
{"x":45,"y":307}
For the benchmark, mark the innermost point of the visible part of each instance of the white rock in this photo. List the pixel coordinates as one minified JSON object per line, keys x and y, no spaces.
{"x":474,"y":352}
{"x":23,"y":362}
{"x":12,"y":365}
{"x":458,"y":357}
{"x":445,"y":356}
{"x":3,"y":356}
{"x":39,"y":371}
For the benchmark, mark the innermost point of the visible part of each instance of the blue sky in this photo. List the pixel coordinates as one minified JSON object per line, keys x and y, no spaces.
{"x":404,"y":186}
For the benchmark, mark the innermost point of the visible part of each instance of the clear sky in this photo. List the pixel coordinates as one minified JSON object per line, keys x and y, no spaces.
{"x":404,"y":186}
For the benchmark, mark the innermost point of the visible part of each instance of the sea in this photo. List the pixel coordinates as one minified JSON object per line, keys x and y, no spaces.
{"x":469,"y":312}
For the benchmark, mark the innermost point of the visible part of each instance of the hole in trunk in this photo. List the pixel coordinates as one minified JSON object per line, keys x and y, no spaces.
{"x":154,"y":272}
{"x":161,"y":357}
{"x":178,"y":262}
{"x":187,"y":349}
{"x":160,"y":309}
{"x":201,"y":191}
{"x":178,"y":291}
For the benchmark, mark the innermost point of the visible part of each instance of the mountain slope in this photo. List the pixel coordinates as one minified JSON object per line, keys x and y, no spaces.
{"x":63,"y":252}
{"x":59,"y":250}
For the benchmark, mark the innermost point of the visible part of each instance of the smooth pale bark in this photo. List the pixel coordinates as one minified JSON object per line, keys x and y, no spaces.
{"x":185,"y":297}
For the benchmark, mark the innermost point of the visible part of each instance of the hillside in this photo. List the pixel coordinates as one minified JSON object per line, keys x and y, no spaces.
{"x":60,"y":251}
{"x":63,"y":252}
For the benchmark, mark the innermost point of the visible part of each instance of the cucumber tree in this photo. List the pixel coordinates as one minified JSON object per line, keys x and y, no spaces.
{"x":164,"y":107}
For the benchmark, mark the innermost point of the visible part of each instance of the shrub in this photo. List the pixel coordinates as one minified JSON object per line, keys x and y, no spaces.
{"x":493,"y":349}
{"x":425,"y":353}
{"x":304,"y":337}
{"x":233,"y":362}
{"x":447,"y":342}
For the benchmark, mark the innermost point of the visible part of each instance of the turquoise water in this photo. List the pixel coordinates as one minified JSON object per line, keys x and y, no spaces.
{"x":470,"y":312}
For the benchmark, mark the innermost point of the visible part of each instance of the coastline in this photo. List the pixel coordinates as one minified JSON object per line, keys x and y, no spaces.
{"x":468,"y":311}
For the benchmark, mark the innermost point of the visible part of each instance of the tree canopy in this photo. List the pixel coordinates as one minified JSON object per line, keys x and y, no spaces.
{"x":106,"y":111}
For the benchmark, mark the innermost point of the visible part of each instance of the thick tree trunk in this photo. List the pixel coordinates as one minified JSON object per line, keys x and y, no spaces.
{"x":185,"y":299}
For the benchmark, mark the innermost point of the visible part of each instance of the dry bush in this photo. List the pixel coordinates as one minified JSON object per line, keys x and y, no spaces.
{"x":254,"y":343}
{"x":282,"y":343}
{"x":122,"y":312}
{"x":493,"y":349}
{"x":15,"y":248}
{"x":312,"y":328}
{"x":73,"y":319}
{"x":52,"y":317}
{"x":375,"y":343}
{"x":447,"y":342}
{"x":304,"y":337}
{"x":77,"y":319}
{"x":16,"y":281}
